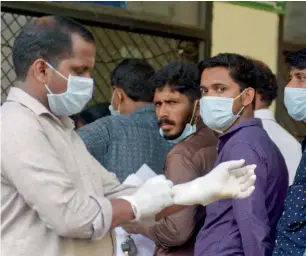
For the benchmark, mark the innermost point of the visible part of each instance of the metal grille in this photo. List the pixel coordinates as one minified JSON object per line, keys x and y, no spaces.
{"x":112,"y":47}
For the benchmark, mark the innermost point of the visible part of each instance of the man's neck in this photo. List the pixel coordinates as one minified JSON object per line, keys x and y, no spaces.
{"x":247,"y":114}
{"x":28,"y":89}
{"x":135,"y":105}
{"x":262,"y":108}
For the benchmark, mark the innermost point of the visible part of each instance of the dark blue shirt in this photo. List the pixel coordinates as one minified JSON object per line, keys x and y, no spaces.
{"x":246,"y":227}
{"x":291,"y":229}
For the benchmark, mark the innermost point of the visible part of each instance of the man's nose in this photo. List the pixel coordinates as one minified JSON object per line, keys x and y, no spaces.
{"x":292,"y":83}
{"x":163,"y":111}
{"x":87,"y":75}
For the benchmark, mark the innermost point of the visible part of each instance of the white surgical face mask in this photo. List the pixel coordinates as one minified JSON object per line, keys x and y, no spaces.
{"x":79,"y":92}
{"x":111,"y":107}
{"x":188,"y":130}
{"x":217,"y":113}
{"x":295,"y":102}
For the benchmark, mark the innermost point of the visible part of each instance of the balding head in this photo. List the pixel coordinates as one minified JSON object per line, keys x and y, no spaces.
{"x":47,"y":51}
{"x":49,"y":38}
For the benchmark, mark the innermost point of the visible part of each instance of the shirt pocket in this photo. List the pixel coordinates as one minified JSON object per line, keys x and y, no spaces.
{"x":293,"y":218}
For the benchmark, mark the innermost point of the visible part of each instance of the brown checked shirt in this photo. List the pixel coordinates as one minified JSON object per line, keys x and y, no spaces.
{"x":188,"y":160}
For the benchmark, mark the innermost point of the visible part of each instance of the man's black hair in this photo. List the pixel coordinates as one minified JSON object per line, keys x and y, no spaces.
{"x":132,"y":76}
{"x":48,"y":38}
{"x":296,"y":59}
{"x":267,"y":85}
{"x":183,"y":77}
{"x":95,"y":112}
{"x":242,"y":70}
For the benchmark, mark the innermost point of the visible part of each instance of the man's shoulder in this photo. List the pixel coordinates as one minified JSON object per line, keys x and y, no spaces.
{"x":17,"y":114}
{"x":198,"y":143}
{"x":130,"y":120}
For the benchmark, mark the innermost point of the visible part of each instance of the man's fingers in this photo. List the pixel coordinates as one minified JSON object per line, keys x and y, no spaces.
{"x":246,"y":170}
{"x":248,"y":183}
{"x":246,"y":193}
{"x":244,"y":178}
{"x":230,"y":165}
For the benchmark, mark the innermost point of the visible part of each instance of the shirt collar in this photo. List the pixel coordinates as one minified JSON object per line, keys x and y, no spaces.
{"x":237,"y":127}
{"x":25,"y":99}
{"x":264,"y":114}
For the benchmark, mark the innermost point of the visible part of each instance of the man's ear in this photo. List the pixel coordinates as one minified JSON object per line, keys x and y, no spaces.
{"x":248,"y":96}
{"x":121,"y":94}
{"x":41,"y":71}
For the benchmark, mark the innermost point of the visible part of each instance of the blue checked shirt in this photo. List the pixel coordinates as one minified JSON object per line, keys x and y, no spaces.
{"x":122,"y":144}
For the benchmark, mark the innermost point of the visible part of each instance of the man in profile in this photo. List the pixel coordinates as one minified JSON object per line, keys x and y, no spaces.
{"x":266,"y":92}
{"x":240,"y":227}
{"x":177,"y":92}
{"x":291,"y":229}
{"x":56,"y":199}
{"x":129,"y":138}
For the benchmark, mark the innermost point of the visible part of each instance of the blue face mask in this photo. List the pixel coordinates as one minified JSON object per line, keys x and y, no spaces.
{"x":217,"y":113}
{"x":111,"y":107}
{"x":189,"y":130}
{"x":295,"y":102}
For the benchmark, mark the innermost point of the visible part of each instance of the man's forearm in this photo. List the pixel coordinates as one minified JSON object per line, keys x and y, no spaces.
{"x":170,"y":210}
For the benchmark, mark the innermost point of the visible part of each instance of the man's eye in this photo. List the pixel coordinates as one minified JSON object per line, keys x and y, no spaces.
{"x":157,"y":104}
{"x":302,"y":78}
{"x":203,"y":91}
{"x":80,"y":71}
{"x":220,"y":89}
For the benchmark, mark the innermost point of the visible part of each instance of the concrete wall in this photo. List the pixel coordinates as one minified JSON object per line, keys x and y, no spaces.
{"x":295,"y":22}
{"x":183,"y":12}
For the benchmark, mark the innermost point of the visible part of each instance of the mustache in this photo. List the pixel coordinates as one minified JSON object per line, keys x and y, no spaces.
{"x":165,"y":121}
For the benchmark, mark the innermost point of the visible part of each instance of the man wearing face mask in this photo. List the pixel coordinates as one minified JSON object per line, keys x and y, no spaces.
{"x":240,"y":227}
{"x":56,"y":199}
{"x":176,"y":99}
{"x":129,"y":138}
{"x":291,"y":229}
{"x":266,"y":92}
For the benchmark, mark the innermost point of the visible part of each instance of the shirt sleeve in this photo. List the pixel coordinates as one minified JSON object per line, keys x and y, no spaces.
{"x":113,"y":188}
{"x":97,"y":138}
{"x":177,"y":229}
{"x":34,"y":168}
{"x":251,"y":213}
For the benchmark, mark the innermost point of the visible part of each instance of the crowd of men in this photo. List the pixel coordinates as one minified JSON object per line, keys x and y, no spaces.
{"x":61,"y":186}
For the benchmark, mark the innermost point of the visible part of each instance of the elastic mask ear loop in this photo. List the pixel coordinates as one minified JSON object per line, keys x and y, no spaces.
{"x":194,"y":111}
{"x":56,"y":71}
{"x":48,"y":89}
{"x":238,"y":115}
{"x":112,"y":100}
{"x":119,"y":103}
{"x":50,"y":66}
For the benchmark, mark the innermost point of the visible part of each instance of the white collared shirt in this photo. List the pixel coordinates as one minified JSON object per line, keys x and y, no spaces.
{"x":55,"y":197}
{"x":287,"y":144}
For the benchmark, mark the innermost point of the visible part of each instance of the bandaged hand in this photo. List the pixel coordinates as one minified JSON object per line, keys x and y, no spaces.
{"x":152,"y":197}
{"x":227,"y":180}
